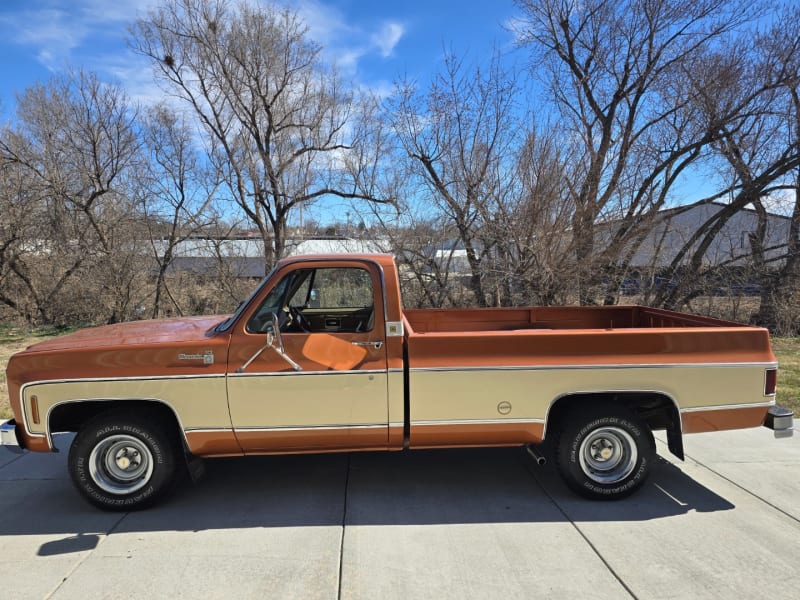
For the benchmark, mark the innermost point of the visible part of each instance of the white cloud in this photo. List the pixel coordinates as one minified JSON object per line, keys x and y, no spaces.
{"x":45,"y":27}
{"x":518,"y":27}
{"x":326,"y":25}
{"x":115,"y":11}
{"x":91,"y":34}
{"x":57,"y":34}
{"x":135,"y":73}
{"x":388,"y":37}
{"x":51,"y":33}
{"x":382,"y":88}
{"x":344,"y":42}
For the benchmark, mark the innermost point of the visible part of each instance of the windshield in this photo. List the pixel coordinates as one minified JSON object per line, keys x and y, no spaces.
{"x":226,"y":324}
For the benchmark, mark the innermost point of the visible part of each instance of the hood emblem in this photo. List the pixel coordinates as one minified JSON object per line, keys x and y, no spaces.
{"x":207,"y":357}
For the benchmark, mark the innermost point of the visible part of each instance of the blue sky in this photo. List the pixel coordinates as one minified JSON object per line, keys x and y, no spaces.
{"x":373,"y":42}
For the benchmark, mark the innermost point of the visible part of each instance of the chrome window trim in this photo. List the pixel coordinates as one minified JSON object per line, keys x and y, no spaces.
{"x":308,"y":373}
{"x":207,"y":429}
{"x":515,"y":420}
{"x":713,"y":407}
{"x":104,"y":379}
{"x":598,"y":366}
{"x":252,"y":428}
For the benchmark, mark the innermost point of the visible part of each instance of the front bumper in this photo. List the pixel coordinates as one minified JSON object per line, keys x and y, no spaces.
{"x":8,"y":437}
{"x":781,"y":421}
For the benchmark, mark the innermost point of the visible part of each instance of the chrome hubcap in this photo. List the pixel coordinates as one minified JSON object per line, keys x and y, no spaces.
{"x":608,"y":455}
{"x":121,"y":464}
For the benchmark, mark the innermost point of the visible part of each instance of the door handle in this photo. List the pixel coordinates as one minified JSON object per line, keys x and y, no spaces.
{"x":376,"y":345}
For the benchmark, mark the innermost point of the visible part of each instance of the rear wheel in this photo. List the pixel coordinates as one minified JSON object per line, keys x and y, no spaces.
{"x":605,"y":453}
{"x":122,"y":462}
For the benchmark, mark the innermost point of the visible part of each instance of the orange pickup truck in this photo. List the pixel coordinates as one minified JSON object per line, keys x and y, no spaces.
{"x":323,"y":358}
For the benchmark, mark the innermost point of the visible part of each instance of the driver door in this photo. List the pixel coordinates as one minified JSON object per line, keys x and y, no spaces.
{"x":330,"y":316}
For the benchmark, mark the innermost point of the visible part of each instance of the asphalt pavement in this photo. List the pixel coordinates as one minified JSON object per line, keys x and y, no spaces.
{"x":472,"y":523}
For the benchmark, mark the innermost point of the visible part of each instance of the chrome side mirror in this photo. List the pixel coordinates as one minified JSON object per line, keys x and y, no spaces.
{"x":274,"y":334}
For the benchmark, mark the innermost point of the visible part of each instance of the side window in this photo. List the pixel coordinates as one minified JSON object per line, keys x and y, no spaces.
{"x":341,"y":289}
{"x":335,"y":299}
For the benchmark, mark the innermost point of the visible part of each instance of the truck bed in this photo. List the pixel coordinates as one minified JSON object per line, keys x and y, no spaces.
{"x":556,"y":317}
{"x":577,"y":335}
{"x":474,"y":375}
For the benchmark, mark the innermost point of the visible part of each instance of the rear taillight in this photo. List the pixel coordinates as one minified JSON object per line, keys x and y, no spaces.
{"x":770,"y":381}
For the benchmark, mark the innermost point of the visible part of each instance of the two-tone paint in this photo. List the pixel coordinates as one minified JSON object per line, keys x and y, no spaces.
{"x":423,"y":378}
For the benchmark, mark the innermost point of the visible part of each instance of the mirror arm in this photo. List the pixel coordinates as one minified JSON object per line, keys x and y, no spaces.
{"x":279,"y":352}
{"x":255,"y":356}
{"x":286,"y":357}
{"x":272,"y":336}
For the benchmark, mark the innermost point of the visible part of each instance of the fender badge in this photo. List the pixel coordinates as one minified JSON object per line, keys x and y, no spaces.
{"x":207,"y":357}
{"x":504,"y":407}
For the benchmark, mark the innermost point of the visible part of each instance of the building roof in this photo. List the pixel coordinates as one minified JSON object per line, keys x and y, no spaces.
{"x":674,"y":228}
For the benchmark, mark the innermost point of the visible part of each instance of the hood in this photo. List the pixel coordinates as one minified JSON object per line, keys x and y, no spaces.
{"x":179,"y":330}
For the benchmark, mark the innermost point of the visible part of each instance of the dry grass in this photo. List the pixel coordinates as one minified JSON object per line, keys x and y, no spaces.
{"x":13,"y":340}
{"x":788,"y":352}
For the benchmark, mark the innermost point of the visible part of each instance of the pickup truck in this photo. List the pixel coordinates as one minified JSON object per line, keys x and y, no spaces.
{"x":323,"y":358}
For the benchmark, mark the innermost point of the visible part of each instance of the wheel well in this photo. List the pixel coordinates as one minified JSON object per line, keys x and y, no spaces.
{"x":70,"y":416}
{"x":657,"y":410}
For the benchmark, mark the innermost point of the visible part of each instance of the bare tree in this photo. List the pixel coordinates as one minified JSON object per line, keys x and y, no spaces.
{"x":279,"y":122}
{"x":73,"y":139}
{"x":534,"y":258}
{"x":747,"y":92}
{"x":18,"y":241}
{"x":459,"y":138}
{"x":612,"y":67}
{"x":176,"y":195}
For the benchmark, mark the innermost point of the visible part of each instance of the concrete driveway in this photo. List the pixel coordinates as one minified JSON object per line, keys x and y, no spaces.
{"x":428,"y":524}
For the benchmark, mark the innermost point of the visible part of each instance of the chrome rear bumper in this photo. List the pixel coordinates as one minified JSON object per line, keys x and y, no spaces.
{"x":781,"y":421}
{"x":8,"y":437}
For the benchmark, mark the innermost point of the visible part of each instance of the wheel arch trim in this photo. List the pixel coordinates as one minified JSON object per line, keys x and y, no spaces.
{"x":49,"y":432}
{"x":606,"y":392}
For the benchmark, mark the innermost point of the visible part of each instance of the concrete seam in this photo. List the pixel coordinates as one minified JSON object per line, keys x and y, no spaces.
{"x":85,"y":558}
{"x":611,"y":570}
{"x":344,"y":526}
{"x":12,"y":461}
{"x":744,"y":489}
{"x":741,"y":487}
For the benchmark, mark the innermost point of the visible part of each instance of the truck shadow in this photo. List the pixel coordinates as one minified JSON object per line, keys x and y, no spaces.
{"x":499,"y":485}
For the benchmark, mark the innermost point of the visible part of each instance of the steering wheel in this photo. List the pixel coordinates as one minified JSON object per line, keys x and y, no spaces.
{"x":299,"y":320}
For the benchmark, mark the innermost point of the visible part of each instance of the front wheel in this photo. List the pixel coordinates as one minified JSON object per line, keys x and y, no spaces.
{"x":605,"y":453}
{"x":122,"y":462}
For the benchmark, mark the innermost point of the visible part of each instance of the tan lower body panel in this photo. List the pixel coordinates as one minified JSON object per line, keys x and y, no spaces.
{"x":307,"y":411}
{"x":307,"y":400}
{"x":198,"y":402}
{"x":527,"y":394}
